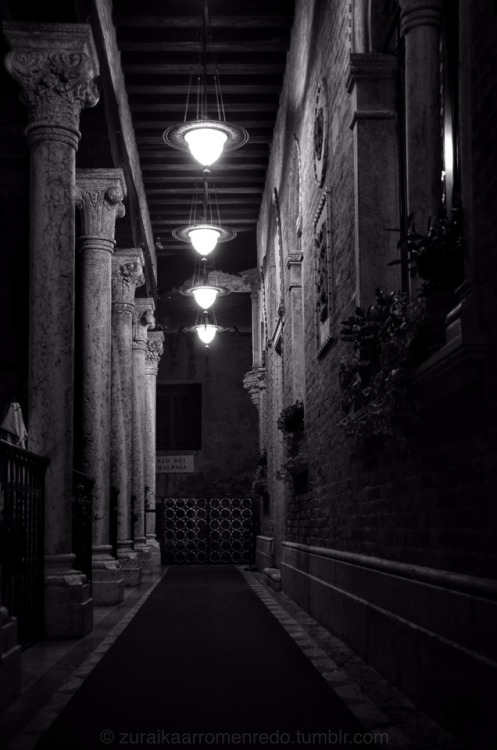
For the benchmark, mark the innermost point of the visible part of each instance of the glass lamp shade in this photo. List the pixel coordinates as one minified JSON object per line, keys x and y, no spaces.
{"x":204,"y":240}
{"x":206,"y":332}
{"x":205,"y":296}
{"x":206,"y":144}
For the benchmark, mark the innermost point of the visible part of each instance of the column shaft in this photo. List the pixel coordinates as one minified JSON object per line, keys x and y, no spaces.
{"x":99,"y":197}
{"x":155,"y":349}
{"x":144,"y":319}
{"x":56,"y":65}
{"x":127,"y":274}
{"x":421,"y":22}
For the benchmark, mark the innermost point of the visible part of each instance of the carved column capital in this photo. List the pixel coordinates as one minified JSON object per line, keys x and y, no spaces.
{"x":99,"y":196}
{"x":127,"y":275}
{"x":56,"y":66}
{"x":420,"y":13}
{"x":143,"y":320}
{"x":154,"y":351}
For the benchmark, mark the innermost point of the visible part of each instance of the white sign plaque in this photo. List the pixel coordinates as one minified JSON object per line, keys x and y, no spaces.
{"x":175,"y":464}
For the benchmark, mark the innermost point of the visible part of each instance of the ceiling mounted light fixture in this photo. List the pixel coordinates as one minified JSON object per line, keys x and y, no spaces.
{"x":206,"y":327}
{"x":204,"y":234}
{"x":205,"y":138}
{"x":203,"y":290}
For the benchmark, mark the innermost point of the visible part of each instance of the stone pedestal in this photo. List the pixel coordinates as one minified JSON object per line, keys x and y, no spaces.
{"x":143,"y":320}
{"x":372,"y":86}
{"x":99,"y":195}
{"x":56,"y":65}
{"x":127,"y":275}
{"x":155,"y":349}
{"x":421,"y":23}
{"x":68,"y":601}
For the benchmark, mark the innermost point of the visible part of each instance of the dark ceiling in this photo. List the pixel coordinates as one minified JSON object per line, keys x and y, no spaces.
{"x":160,"y":42}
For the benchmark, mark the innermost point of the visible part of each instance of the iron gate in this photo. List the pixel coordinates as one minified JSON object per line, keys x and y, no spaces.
{"x":22,"y":519}
{"x":200,"y":530}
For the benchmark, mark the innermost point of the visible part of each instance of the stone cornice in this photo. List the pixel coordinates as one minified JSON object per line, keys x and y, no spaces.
{"x":56,"y":66}
{"x":127,"y":275}
{"x":368,"y":66}
{"x":99,"y":196}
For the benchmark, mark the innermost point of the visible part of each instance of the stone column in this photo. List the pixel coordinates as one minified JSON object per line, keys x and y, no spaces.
{"x":143,"y":320}
{"x":56,"y":65}
{"x":127,"y":274}
{"x":155,"y":350}
{"x":99,"y":195}
{"x":371,"y":84}
{"x":421,"y":22}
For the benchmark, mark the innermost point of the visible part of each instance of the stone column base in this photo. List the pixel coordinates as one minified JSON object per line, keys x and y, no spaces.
{"x":130,"y":563}
{"x":68,"y":601}
{"x":10,"y":659}
{"x":155,"y":556}
{"x":144,"y":552}
{"x":107,"y":576}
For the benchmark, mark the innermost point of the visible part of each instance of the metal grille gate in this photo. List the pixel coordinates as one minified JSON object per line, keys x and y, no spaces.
{"x":22,"y":519}
{"x":200,"y":530}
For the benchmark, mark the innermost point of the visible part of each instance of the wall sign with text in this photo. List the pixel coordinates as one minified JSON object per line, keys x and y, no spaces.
{"x":175,"y":464}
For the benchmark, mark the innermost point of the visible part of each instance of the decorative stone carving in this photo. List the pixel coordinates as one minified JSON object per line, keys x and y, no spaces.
{"x":55,"y":64}
{"x":99,"y":196}
{"x":127,"y":275}
{"x":143,"y":320}
{"x":320,"y":135}
{"x":322,"y":265}
{"x":154,"y":351}
{"x":254,"y":382}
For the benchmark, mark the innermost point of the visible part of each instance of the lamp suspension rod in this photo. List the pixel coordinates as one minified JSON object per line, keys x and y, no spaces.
{"x":206,"y":195}
{"x":204,"y":89}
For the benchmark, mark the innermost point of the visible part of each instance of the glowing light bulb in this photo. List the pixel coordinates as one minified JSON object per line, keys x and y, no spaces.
{"x":206,"y":144}
{"x":204,"y":239}
{"x":205,"y":296}
{"x":206,"y":332}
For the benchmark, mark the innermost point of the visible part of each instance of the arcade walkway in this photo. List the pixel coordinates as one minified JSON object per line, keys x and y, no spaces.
{"x":208,"y":657}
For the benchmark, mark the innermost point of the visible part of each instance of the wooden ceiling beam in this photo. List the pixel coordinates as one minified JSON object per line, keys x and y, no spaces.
{"x":243,"y":89}
{"x":189,"y":180}
{"x":157,"y":140}
{"x":215,"y":22}
{"x":277,"y":44}
{"x":179,"y":107}
{"x":232,"y":190}
{"x":225,"y":69}
{"x":192,"y":167}
{"x":163,"y":124}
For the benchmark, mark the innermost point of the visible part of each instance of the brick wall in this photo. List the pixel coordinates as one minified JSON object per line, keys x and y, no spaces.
{"x":436,"y":506}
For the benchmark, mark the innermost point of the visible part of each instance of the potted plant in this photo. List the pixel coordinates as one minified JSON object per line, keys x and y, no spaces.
{"x":292,"y":425}
{"x":387,"y":341}
{"x":437,"y":258}
{"x":259,"y":484}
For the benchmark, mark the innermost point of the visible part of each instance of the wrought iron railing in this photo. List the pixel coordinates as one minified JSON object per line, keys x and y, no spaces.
{"x":22,"y":521}
{"x":82,"y":519}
